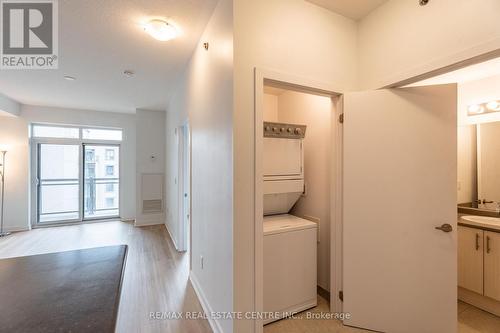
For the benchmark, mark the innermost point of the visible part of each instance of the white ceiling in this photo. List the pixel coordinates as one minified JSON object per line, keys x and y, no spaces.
{"x":98,"y":40}
{"x":354,"y":9}
{"x":470,"y":73}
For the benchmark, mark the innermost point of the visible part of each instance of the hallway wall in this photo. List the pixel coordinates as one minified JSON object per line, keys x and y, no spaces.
{"x":150,"y":127}
{"x":205,"y":94}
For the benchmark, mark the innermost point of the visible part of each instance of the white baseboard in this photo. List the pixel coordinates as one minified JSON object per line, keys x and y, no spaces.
{"x":171,"y":237}
{"x":214,"y":324}
{"x":147,"y":224}
{"x":16,"y":228}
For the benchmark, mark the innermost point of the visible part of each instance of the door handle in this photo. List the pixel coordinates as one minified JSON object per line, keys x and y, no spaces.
{"x":488,"y":248}
{"x":477,"y":242}
{"x":445,"y":228}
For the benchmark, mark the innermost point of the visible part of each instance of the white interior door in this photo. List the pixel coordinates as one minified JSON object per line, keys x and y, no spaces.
{"x":399,"y":272}
{"x":184,"y":171}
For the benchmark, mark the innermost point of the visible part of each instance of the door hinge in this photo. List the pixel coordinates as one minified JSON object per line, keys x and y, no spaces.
{"x":341,"y":295}
{"x":341,"y":118}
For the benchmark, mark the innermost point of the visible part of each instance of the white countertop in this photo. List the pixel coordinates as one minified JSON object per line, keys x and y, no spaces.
{"x":485,"y":222}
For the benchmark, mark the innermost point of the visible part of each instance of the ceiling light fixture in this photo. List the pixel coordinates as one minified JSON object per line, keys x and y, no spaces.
{"x":69,"y":78}
{"x":161,"y":30}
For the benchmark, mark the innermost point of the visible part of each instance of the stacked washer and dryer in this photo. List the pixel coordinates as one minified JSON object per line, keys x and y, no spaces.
{"x":290,"y":242}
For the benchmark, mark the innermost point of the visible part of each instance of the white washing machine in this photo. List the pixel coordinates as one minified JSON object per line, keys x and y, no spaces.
{"x":290,"y":242}
{"x":290,"y":278}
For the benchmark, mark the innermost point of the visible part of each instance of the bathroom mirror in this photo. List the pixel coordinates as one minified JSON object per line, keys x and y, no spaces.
{"x":479,"y":167}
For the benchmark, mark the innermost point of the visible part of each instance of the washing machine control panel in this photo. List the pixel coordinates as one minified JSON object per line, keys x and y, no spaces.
{"x":285,"y":131}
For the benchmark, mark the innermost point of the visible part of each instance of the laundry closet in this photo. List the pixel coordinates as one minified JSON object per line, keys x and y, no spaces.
{"x":296,"y":164}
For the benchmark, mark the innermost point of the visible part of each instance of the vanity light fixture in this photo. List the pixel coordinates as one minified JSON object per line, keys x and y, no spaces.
{"x":475,"y":109}
{"x":493,"y":106}
{"x":161,"y":30}
{"x":488,"y":107}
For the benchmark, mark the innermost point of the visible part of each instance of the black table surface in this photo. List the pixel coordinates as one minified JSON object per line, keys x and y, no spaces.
{"x":73,"y":291}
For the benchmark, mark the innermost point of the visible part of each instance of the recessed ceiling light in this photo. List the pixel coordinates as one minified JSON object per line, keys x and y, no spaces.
{"x":161,"y":30}
{"x":128,"y":73}
{"x":69,"y":78}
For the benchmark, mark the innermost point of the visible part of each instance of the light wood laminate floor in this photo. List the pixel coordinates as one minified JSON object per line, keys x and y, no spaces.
{"x":156,"y":279}
{"x":156,"y":275}
{"x":470,"y":320}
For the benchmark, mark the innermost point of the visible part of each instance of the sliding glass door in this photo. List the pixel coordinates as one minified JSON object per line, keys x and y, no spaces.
{"x":58,"y":184}
{"x":76,"y":173}
{"x":102,"y":182}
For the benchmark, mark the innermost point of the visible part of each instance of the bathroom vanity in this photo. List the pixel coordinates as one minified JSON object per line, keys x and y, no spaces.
{"x":478,"y":194}
{"x":479,"y":262}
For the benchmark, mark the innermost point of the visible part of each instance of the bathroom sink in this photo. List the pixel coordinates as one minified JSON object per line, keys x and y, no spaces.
{"x":485,"y":221}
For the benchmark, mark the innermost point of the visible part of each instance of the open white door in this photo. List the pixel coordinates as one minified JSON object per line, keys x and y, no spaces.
{"x":184,"y":189}
{"x":399,"y":271}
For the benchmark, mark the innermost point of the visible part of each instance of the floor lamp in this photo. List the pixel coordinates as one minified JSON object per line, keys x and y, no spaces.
{"x":2,"y":191}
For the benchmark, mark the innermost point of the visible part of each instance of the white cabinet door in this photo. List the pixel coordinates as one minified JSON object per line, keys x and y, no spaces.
{"x":492,"y":265}
{"x":400,"y":167}
{"x":470,"y":259}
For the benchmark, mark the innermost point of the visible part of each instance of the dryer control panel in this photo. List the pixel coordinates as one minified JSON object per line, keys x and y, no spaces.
{"x":285,"y":131}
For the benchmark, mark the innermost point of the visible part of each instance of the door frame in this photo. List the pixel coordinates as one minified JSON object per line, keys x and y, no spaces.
{"x":263,"y":76}
{"x":184,"y":174}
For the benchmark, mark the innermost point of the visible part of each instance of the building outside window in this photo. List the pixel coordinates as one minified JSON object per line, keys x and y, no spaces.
{"x":90,"y":156}
{"x":110,"y":154}
{"x":110,"y":202}
{"x":110,"y":170}
{"x":110,"y":188}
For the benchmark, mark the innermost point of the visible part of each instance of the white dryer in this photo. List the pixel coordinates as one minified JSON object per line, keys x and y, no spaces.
{"x":290,"y":242}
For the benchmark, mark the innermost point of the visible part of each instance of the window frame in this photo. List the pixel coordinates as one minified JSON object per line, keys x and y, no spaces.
{"x":35,"y":141}
{"x":80,"y":138}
